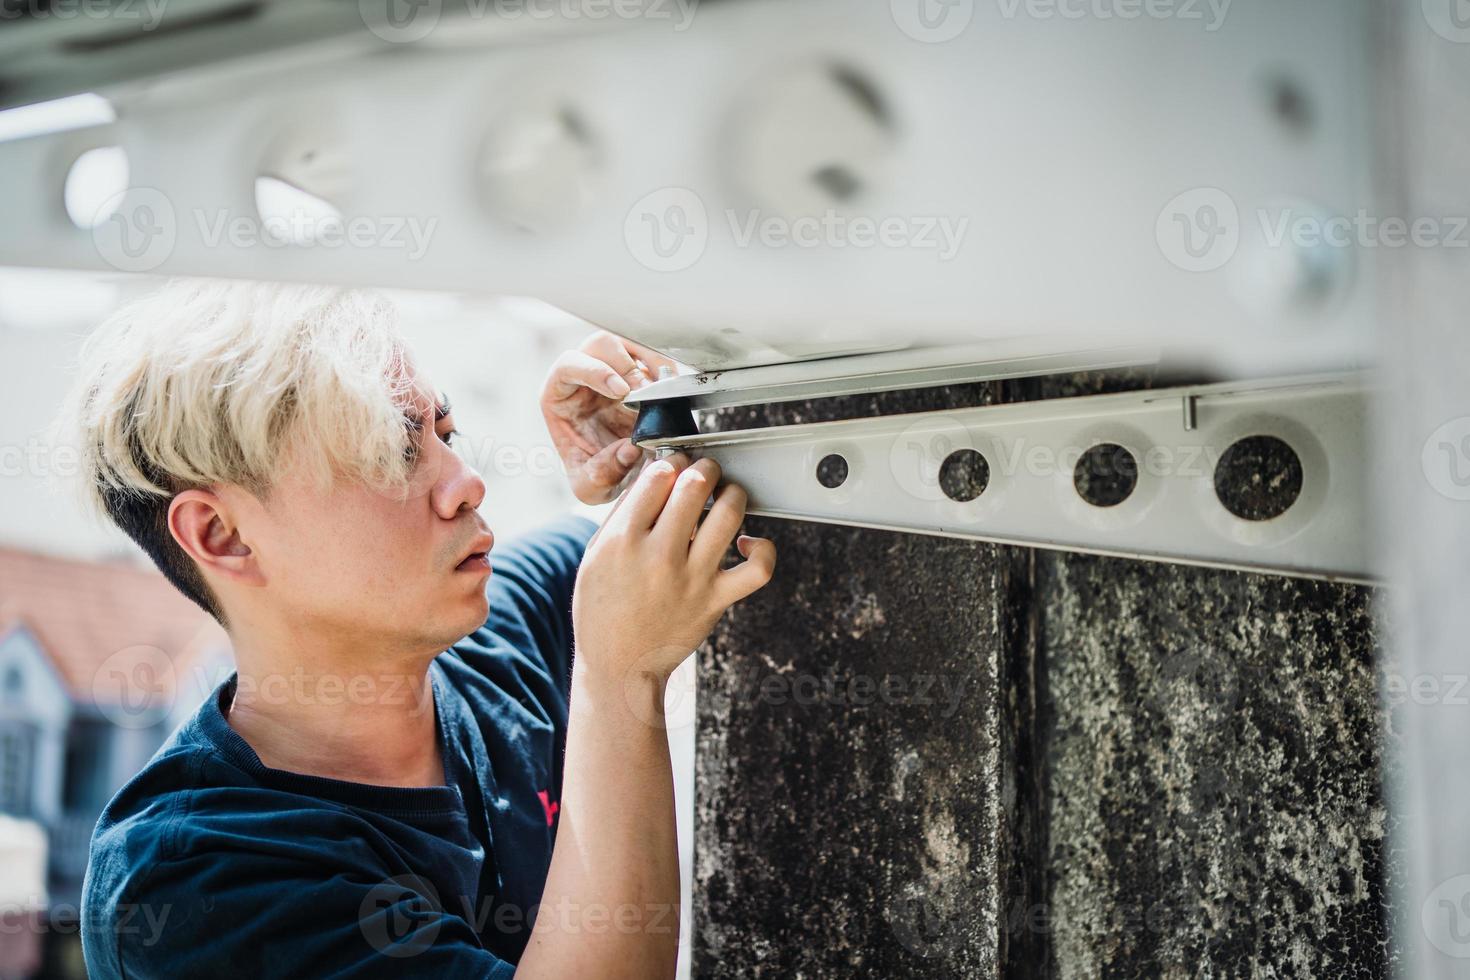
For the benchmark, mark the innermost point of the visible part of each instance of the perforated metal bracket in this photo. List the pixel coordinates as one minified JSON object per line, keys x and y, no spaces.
{"x":1264,"y":476}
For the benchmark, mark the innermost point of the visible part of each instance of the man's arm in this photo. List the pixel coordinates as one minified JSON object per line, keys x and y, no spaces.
{"x":649,"y":591}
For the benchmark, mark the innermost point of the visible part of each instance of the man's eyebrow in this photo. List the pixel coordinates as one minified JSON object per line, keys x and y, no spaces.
{"x":442,"y":409}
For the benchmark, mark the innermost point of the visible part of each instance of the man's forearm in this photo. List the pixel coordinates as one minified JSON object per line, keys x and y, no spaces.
{"x":610,"y":907}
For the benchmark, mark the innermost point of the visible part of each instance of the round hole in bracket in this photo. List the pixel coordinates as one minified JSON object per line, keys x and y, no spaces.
{"x":832,"y":471}
{"x":964,"y":475}
{"x":1105,"y":475}
{"x":1258,"y":478}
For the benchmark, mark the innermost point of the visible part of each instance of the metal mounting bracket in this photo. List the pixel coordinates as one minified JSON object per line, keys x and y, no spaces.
{"x":1178,"y":438}
{"x":917,"y":367}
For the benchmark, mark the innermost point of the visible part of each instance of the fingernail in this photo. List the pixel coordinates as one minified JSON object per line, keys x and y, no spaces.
{"x":629,"y":454}
{"x":617,"y":386}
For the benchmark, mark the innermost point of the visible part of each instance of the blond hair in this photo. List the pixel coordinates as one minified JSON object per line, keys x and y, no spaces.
{"x":208,"y":382}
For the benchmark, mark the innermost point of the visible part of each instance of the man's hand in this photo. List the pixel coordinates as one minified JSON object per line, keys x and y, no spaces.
{"x":582,"y":404}
{"x":650,"y":587}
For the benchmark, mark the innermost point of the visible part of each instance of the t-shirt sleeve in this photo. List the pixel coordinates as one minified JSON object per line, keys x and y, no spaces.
{"x":530,"y":593}
{"x":199,"y":916}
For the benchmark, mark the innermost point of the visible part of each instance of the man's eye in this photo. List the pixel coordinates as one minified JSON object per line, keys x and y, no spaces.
{"x":411,"y":449}
{"x":448,"y":437}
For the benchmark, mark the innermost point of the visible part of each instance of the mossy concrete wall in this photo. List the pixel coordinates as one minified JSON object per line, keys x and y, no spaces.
{"x":922,"y":757}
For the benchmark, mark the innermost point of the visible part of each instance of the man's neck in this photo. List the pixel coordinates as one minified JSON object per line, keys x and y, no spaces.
{"x":375,"y":727}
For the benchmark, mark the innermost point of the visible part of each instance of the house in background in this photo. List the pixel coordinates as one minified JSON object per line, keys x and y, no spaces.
{"x":99,"y":661}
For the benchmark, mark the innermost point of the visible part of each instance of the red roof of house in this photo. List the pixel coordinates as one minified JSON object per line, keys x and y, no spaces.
{"x":96,"y":619}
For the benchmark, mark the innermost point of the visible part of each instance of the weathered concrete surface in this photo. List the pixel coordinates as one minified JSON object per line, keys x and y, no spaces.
{"x":1153,"y":771}
{"x":1213,"y":777}
{"x":856,"y":839}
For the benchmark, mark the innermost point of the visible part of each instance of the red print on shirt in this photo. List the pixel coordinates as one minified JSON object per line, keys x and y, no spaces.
{"x":548,"y":806}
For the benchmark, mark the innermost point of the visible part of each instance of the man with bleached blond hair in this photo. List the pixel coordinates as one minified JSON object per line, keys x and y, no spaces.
{"x":461,"y":778}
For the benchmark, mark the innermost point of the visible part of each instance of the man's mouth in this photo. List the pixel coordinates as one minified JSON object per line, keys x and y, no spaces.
{"x":478,"y":561}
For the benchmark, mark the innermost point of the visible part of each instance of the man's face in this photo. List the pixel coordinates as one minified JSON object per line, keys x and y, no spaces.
{"x":355,"y":563}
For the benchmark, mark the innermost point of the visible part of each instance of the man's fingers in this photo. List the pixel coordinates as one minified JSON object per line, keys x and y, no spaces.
{"x":736,"y":583}
{"x":652,"y":359}
{"x":580,"y":369}
{"x":686,"y":502}
{"x":713,"y":538}
{"x":649,"y":493}
{"x":601,"y":474}
{"x":613,"y":352}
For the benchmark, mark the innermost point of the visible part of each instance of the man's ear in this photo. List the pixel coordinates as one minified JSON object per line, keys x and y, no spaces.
{"x":202,"y":523}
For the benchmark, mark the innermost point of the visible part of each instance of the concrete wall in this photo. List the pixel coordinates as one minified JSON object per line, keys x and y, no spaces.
{"x":1079,"y":766}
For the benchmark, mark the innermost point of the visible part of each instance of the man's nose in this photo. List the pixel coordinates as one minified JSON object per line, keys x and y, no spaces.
{"x":460,"y":487}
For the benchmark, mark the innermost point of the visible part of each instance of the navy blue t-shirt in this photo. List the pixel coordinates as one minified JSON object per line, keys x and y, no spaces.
{"x":209,"y":864}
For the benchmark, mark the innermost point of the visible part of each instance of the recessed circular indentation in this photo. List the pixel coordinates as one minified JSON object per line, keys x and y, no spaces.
{"x":1105,"y":475}
{"x":964,"y":475}
{"x":817,"y":136}
{"x":1258,"y":478}
{"x":94,"y":185}
{"x":305,"y":180}
{"x":832,"y":471}
{"x":539,"y":165}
